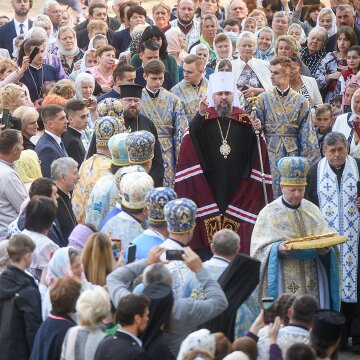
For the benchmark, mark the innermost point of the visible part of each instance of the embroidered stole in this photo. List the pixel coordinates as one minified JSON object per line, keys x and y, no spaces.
{"x":342,"y":215}
{"x":283,"y":108}
{"x":192,"y":97}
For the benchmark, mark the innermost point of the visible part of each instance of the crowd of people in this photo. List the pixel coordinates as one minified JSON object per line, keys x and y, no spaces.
{"x":182,"y":183}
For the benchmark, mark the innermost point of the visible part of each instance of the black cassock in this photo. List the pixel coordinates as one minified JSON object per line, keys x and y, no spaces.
{"x":143,"y":123}
{"x":223,"y":175}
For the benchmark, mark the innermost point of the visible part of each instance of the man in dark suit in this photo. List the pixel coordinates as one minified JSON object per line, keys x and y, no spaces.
{"x":133,"y":315}
{"x":98,"y":11}
{"x":78,"y":115}
{"x":20,"y":24}
{"x":50,"y":146}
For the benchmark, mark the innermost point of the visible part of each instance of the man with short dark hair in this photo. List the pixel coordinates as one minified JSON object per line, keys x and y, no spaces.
{"x":12,"y":190}
{"x":20,"y":302}
{"x":98,"y":11}
{"x":78,"y":115}
{"x":19,"y":25}
{"x":150,"y":50}
{"x":132,"y":314}
{"x":50,"y":146}
{"x":123,"y":74}
{"x":301,"y":316}
{"x":167,"y":113}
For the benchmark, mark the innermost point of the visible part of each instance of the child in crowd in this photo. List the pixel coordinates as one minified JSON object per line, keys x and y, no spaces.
{"x":323,"y":123}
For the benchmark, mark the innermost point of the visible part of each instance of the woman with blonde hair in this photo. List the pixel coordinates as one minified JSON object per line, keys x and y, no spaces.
{"x":12,"y":96}
{"x":98,"y":259}
{"x":327,"y":20}
{"x":82,"y":341}
{"x":28,"y":167}
{"x":28,"y":117}
{"x":161,"y":15}
{"x":252,"y":75}
{"x":61,"y":93}
{"x":286,"y":45}
{"x":68,"y":51}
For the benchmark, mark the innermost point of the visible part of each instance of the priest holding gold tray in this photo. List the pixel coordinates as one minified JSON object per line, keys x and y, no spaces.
{"x":292,"y":240}
{"x":315,"y":241}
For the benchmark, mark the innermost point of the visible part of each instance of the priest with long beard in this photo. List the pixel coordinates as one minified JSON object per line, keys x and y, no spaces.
{"x":219,"y":166}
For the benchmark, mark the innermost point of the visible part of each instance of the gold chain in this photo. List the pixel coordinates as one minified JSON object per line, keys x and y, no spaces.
{"x":225,"y":148}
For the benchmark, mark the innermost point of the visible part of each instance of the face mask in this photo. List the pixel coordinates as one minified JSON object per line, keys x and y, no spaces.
{"x":232,"y":35}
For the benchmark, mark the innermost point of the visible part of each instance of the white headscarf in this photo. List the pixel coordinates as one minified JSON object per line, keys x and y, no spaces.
{"x":83,"y":67}
{"x":212,"y":85}
{"x":229,"y":57}
{"x":83,"y":77}
{"x":354,"y":115}
{"x":236,"y":355}
{"x":328,"y":10}
{"x":61,"y":51}
{"x":98,"y":36}
{"x":198,"y":340}
{"x":303,"y":35}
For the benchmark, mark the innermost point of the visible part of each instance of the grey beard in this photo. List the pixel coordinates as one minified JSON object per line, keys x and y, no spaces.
{"x":224,"y":110}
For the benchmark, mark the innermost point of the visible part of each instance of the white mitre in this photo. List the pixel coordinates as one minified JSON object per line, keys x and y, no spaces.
{"x":219,"y":82}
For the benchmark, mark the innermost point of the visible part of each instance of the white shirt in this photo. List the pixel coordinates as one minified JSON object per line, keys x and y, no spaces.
{"x":57,"y":138}
{"x":25,"y":27}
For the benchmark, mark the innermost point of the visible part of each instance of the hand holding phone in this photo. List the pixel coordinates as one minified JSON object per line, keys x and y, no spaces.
{"x":33,"y":54}
{"x":174,"y":255}
{"x":268,"y":304}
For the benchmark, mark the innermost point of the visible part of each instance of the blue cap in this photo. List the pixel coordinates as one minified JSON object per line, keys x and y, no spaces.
{"x":156,"y":199}
{"x":118,"y":151}
{"x":105,"y":127}
{"x":180,"y":215}
{"x":140,"y":146}
{"x":293,"y":171}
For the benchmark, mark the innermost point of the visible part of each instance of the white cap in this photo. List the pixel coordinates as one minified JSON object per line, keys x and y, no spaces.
{"x":219,"y":82}
{"x":133,"y":188}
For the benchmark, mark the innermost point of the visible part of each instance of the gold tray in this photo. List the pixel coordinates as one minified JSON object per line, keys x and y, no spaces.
{"x":315,"y":241}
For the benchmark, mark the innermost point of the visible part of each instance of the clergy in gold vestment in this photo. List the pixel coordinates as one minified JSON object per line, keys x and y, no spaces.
{"x":193,"y":88}
{"x":167,"y":113}
{"x":313,"y":271}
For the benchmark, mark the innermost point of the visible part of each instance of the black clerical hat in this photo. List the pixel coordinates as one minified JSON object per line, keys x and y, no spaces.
{"x":131,"y":90}
{"x":328,"y":325}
